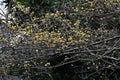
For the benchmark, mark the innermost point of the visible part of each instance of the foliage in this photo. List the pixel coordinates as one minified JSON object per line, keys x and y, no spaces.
{"x":93,"y":14}
{"x":68,"y":39}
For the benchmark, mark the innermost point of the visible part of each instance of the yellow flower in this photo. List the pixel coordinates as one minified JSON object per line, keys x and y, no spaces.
{"x":52,"y":14}
{"x":76,"y":10}
{"x":66,"y":58}
{"x":47,"y":14}
{"x":77,"y":23}
{"x":32,"y":13}
{"x":29,"y":32}
{"x":55,"y":15}
{"x":47,"y":64}
{"x":97,"y":67}
{"x":82,"y":7}
{"x":70,"y":38}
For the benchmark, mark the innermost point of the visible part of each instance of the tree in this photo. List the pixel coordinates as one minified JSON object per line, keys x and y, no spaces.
{"x":71,"y":41}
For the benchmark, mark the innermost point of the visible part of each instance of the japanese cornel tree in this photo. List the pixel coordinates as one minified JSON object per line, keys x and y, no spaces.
{"x":60,"y":40}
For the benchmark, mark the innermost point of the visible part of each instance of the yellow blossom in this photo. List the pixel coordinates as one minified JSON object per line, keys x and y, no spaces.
{"x":47,"y":64}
